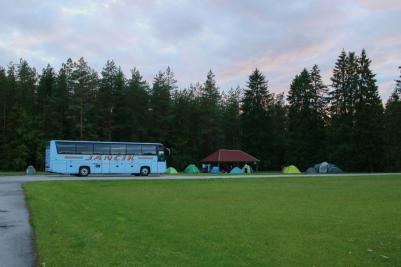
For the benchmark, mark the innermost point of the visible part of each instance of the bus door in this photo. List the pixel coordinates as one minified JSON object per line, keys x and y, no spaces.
{"x":96,"y":166}
{"x":102,"y":157}
{"x":130,"y":161}
{"x":161,"y":159}
{"x":117,"y":164}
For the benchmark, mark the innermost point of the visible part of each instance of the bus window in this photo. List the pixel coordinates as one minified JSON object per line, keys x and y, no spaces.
{"x":101,"y":149}
{"x":118,"y":149}
{"x":148,"y":149}
{"x":133,"y":149}
{"x":65,"y":147}
{"x":84,"y":148}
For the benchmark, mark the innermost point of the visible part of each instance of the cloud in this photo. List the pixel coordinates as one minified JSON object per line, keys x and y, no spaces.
{"x":229,"y":37}
{"x":386,"y":4}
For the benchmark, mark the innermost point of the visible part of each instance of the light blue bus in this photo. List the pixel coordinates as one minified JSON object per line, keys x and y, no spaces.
{"x":92,"y":157}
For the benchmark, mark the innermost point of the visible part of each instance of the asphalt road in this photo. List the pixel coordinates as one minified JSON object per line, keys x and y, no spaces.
{"x":16,"y":234}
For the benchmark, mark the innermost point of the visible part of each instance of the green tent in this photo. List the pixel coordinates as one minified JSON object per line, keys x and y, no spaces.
{"x":291,"y":169}
{"x":191,"y":168}
{"x":171,"y":170}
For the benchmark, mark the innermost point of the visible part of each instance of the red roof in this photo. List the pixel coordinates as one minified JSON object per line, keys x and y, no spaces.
{"x":226,"y":155}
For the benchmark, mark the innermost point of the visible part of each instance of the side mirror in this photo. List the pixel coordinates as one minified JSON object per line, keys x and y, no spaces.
{"x":167,"y":151}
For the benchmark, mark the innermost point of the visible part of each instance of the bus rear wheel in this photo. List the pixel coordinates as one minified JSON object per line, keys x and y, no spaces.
{"x":84,"y":171}
{"x":144,"y":171}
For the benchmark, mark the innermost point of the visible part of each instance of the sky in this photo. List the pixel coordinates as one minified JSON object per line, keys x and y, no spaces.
{"x":230,"y":37}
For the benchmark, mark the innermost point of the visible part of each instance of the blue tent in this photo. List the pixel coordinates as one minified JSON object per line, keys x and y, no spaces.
{"x":236,"y":170}
{"x":215,"y":169}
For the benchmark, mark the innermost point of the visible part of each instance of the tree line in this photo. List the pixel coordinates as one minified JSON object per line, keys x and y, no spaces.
{"x":344,"y":122}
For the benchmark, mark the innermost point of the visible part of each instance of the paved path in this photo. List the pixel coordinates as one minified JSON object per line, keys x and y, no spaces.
{"x":16,"y":234}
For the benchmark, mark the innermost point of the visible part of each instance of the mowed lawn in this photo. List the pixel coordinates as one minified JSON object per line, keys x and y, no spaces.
{"x":317,"y":221}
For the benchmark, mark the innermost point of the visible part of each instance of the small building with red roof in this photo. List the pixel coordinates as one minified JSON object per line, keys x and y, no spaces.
{"x":230,"y":156}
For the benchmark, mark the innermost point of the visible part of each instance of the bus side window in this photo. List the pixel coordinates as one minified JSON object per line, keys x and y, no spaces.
{"x":133,"y":149}
{"x":118,"y":149}
{"x":101,"y":149}
{"x":148,"y":149}
{"x":84,"y":148}
{"x":65,"y":148}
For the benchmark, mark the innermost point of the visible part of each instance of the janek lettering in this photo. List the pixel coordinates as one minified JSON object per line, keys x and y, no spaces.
{"x":110,"y":157}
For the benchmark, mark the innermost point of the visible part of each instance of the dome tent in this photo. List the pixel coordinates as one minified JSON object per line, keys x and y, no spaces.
{"x":334,"y":169}
{"x":247,"y":169}
{"x":236,"y":170}
{"x":215,"y":169}
{"x":323,"y":167}
{"x":171,"y":170}
{"x":326,"y":167}
{"x":292,"y":169}
{"x":191,"y":168}
{"x":311,"y":170}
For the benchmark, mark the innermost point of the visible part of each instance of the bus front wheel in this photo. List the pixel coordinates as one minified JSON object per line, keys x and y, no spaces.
{"x":145,"y":171}
{"x":84,"y":171}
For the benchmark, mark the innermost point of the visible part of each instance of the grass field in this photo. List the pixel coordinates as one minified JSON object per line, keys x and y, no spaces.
{"x":317,"y":221}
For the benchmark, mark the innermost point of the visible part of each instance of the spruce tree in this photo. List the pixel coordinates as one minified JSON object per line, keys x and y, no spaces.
{"x":393,"y":130}
{"x":4,"y":112}
{"x":368,"y":120}
{"x":256,"y":133}
{"x":160,"y":107}
{"x":9,"y":122}
{"x":279,"y":125}
{"x":231,"y":124}
{"x":135,"y":107}
{"x":320,"y":91}
{"x":23,"y":144}
{"x":45,"y":122}
{"x":108,"y":101}
{"x":210,"y":116}
{"x":60,"y":104}
{"x":83,"y":84}
{"x":305,"y":122}
{"x":185,"y":147}
{"x":341,"y":111}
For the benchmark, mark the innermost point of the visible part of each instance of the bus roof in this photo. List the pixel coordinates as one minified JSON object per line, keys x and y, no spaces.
{"x":108,"y":142}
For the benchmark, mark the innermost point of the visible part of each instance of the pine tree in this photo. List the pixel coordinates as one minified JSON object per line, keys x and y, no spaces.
{"x":256,"y":133}
{"x":393,"y":129}
{"x":368,"y":120}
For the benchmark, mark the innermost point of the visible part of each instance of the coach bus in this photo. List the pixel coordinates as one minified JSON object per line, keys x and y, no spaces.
{"x":86,"y":157}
